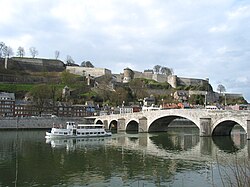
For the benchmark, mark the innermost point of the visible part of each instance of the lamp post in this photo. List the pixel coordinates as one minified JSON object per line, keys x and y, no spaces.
{"x":225,"y":99}
{"x":205,"y":103}
{"x":123,"y":102}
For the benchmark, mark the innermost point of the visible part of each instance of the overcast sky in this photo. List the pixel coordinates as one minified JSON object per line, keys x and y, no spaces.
{"x":196,"y":38}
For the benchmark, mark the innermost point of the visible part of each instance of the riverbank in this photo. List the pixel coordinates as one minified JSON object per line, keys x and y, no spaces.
{"x":8,"y":123}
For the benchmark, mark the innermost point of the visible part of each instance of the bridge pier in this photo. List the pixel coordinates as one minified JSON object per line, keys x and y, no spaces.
{"x":121,"y":125}
{"x":205,"y":127}
{"x":105,"y":123}
{"x":248,"y":129}
{"x":143,"y":125}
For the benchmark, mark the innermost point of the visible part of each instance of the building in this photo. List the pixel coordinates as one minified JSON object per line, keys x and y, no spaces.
{"x":7,"y":104}
{"x":126,"y":109}
{"x":149,"y":101}
{"x":25,"y":108}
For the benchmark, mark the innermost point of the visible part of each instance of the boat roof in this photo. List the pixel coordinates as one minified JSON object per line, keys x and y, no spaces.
{"x":91,"y":125}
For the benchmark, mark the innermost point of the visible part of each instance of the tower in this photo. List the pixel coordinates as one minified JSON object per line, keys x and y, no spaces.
{"x":128,"y":75}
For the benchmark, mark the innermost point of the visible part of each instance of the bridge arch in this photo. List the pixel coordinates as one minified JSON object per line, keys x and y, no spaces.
{"x":99,"y":122}
{"x":223,"y":127}
{"x":132,"y":125}
{"x":113,"y":125}
{"x":161,"y":123}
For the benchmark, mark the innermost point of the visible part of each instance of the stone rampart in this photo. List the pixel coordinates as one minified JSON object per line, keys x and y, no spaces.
{"x":95,"y":72}
{"x":181,"y":81}
{"x":33,"y":64}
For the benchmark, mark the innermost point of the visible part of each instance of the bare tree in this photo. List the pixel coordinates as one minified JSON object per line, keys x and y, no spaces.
{"x":221,"y":88}
{"x":2,"y":45}
{"x":7,"y":51}
{"x":69,"y":60}
{"x":157,"y":69}
{"x":166,"y":71}
{"x":57,"y":53}
{"x":33,"y":52}
{"x":20,"y":51}
{"x":87,"y":64}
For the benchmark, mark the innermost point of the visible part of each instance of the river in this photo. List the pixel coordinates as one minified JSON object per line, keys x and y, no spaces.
{"x":178,"y":157}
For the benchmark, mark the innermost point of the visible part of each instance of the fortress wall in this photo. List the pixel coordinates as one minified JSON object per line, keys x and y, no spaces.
{"x":172,"y":80}
{"x":143,"y":75}
{"x":20,"y":79}
{"x":32,"y":61}
{"x":95,"y":72}
{"x":53,"y":65}
{"x":35,"y":64}
{"x":233,"y":95}
{"x":159,"y":77}
{"x":190,"y":81}
{"x":138,"y":74}
{"x":119,"y":77}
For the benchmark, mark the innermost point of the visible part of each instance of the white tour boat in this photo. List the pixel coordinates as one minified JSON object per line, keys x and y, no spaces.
{"x":73,"y":130}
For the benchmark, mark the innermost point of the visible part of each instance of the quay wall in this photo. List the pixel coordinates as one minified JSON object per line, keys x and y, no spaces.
{"x":35,"y":123}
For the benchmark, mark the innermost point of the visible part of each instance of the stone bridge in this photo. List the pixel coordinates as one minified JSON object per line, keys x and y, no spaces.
{"x":209,"y":122}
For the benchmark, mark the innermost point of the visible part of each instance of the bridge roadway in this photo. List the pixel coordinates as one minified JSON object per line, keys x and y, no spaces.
{"x":209,"y":122}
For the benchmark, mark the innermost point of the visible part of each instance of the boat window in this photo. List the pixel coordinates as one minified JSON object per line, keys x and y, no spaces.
{"x":99,"y":132}
{"x":87,"y":132}
{"x":65,"y":133}
{"x":102,"y":132}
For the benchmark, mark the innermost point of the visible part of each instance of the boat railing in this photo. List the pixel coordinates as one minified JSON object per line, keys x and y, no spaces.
{"x":89,"y":126}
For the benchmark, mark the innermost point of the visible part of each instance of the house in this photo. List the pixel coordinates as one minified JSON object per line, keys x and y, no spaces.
{"x":7,"y":104}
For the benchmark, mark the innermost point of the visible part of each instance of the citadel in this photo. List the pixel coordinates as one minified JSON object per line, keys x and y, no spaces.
{"x":129,"y":74}
{"x":24,"y":64}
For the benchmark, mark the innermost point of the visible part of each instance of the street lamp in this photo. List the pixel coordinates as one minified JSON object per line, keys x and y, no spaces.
{"x":225,"y":99}
{"x":205,"y":103}
{"x":123,"y":102}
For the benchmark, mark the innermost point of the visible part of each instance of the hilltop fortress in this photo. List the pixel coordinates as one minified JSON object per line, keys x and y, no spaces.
{"x":52,"y":65}
{"x":127,"y":75}
{"x":23,"y":70}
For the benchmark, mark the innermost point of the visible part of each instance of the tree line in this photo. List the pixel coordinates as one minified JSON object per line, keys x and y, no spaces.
{"x":7,"y":51}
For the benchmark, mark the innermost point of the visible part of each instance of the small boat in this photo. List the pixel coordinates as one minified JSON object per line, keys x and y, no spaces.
{"x":74,"y":130}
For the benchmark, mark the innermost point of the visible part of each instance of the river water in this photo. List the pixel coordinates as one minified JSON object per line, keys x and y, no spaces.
{"x":178,"y":157}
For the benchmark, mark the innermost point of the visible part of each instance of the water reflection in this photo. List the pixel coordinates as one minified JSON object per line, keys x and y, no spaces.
{"x":163,"y":159}
{"x":226,"y":144}
{"x":78,"y":143}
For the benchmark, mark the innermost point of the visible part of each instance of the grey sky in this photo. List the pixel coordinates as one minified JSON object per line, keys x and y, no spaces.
{"x":197,"y":38}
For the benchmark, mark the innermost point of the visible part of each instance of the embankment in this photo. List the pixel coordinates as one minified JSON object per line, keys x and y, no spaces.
{"x":35,"y":123}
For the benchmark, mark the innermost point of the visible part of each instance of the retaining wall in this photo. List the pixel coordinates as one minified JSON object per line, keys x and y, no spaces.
{"x":34,"y":123}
